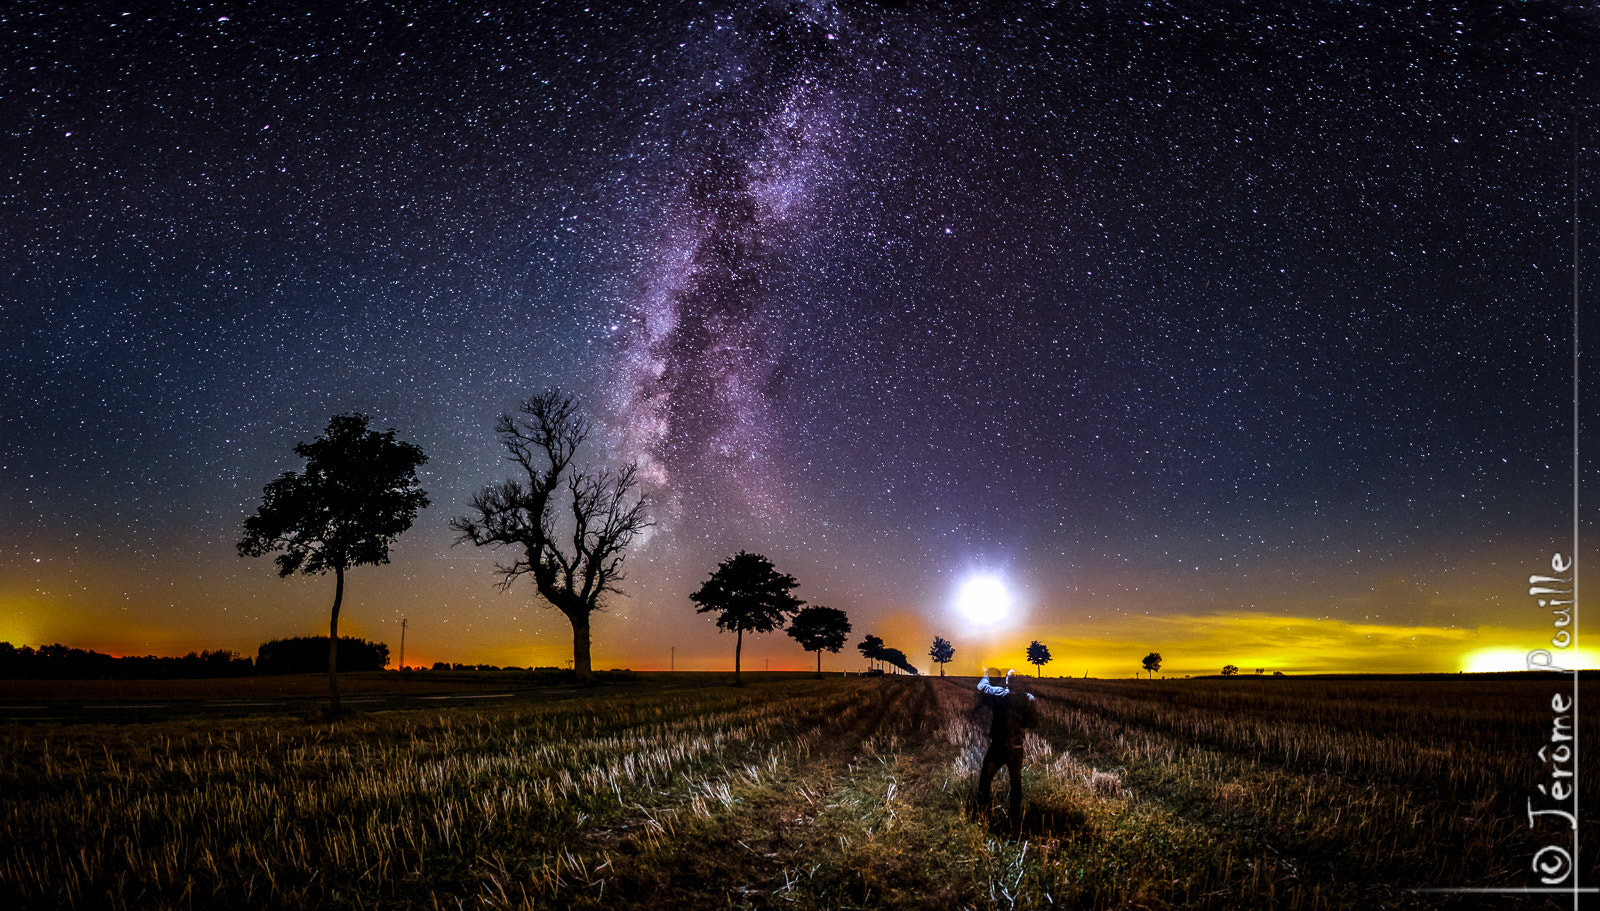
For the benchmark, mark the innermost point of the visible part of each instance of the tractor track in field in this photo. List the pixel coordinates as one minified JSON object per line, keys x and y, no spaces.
{"x":750,"y":851}
{"x":782,"y":794}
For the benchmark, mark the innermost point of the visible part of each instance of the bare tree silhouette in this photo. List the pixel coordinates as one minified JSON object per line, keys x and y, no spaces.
{"x":574,"y":561}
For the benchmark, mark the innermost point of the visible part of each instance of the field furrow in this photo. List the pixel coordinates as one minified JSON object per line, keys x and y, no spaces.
{"x":796,"y":793}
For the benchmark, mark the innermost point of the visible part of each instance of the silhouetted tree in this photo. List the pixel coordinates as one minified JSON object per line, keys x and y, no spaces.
{"x":358,"y":493}
{"x":1152,"y":663}
{"x":871,"y":647}
{"x":309,"y":655}
{"x":1261,"y":670}
{"x":942,"y":653}
{"x":749,"y":594}
{"x":897,"y":658}
{"x":1038,"y":655}
{"x":58,"y":661}
{"x":818,"y":629}
{"x":1228,"y":670}
{"x":573,"y":525}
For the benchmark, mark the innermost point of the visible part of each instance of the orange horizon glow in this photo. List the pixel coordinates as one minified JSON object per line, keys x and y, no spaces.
{"x":1189,"y":645}
{"x":1102,"y":626}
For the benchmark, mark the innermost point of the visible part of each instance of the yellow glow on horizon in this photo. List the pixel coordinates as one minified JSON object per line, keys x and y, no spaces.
{"x":1201,"y":644}
{"x":20,"y":615}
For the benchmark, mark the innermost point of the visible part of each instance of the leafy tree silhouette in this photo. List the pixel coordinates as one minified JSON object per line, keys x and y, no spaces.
{"x":574,"y":564}
{"x":749,"y":594}
{"x":897,"y":658}
{"x":1152,"y":663}
{"x":1228,"y":670}
{"x":819,"y":629}
{"x":357,"y":494}
{"x":942,"y":653}
{"x":871,"y":647}
{"x":1038,"y":655}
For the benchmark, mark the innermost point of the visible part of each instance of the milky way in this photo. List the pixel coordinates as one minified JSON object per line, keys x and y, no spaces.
{"x":697,"y":381}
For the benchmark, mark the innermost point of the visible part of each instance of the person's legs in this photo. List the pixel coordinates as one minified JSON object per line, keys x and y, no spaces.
{"x":992,"y":761}
{"x":1014,"y":766}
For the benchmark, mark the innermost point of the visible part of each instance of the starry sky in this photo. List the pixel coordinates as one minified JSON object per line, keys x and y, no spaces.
{"x":1238,"y":332}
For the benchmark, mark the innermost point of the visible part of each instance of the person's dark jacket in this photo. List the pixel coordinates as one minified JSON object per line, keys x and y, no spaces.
{"x":1012,"y":713}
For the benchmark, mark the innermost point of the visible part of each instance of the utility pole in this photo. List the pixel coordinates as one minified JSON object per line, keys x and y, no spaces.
{"x":674,"y":659}
{"x":402,"y":643}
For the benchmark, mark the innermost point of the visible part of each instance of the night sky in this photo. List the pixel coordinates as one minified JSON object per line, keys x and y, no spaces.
{"x":1240,"y":334}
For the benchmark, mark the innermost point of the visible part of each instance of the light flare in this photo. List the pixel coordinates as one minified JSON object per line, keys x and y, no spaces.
{"x":1501,"y":658}
{"x":984,"y":600}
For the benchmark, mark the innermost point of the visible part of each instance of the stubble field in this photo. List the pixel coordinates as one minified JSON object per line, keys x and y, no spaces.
{"x":801,"y":793}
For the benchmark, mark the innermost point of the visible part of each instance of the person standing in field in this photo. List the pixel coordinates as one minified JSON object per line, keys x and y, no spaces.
{"x":1012,"y":712}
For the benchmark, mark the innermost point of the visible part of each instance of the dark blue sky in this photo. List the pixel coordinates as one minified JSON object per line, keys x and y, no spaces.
{"x":1153,"y":309}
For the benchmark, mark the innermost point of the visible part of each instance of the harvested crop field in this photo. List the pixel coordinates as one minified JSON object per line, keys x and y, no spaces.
{"x":801,"y":793}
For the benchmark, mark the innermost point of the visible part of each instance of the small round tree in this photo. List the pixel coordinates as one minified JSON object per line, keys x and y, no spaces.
{"x":1038,"y":655}
{"x":942,"y":653}
{"x":747,"y":593}
{"x":358,"y":493}
{"x":1152,"y":663}
{"x":1228,"y":670}
{"x":820,"y":629}
{"x":871,"y":648}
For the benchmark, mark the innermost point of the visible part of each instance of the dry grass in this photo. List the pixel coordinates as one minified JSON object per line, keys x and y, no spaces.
{"x":791,"y":793}
{"x":284,"y":686}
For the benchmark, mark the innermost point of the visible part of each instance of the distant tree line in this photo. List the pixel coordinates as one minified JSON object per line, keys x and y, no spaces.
{"x":458,"y":666}
{"x":59,"y":662}
{"x":309,"y":655}
{"x":873,"y":649}
{"x":304,"y":655}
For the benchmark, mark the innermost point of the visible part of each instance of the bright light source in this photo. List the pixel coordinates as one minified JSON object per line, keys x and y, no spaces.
{"x":1494,"y":659}
{"x":1489,"y":660}
{"x":984,"y":600}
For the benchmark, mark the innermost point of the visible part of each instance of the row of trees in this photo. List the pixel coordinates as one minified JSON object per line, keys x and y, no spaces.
{"x":1228,"y":670}
{"x":873,"y":649}
{"x":567,"y":527}
{"x":943,"y":653}
{"x":309,"y":655}
{"x":280,"y":656}
{"x":63,"y":662}
{"x":359,"y":492}
{"x":748,"y":594}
